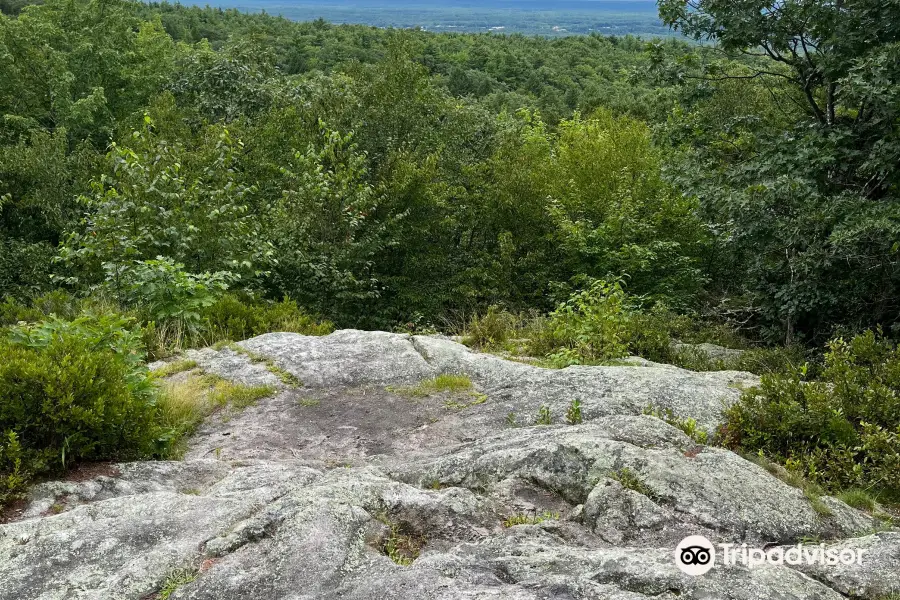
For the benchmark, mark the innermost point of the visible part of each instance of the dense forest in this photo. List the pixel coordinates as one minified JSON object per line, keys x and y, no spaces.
{"x":376,"y":175}
{"x":205,"y":173}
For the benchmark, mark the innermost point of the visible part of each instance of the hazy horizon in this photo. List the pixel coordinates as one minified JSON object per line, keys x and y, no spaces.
{"x":611,"y":17}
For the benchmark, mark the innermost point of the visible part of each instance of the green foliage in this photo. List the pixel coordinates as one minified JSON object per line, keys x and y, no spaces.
{"x":237,"y":82}
{"x":324,"y":228}
{"x":184,"y":403}
{"x":687,"y":425}
{"x":803,"y":205}
{"x":401,"y":547}
{"x":226,"y":393}
{"x":842,"y":430}
{"x":857,"y":498}
{"x":530,"y":519}
{"x":162,"y":292}
{"x":591,"y":326}
{"x":72,"y":391}
{"x":56,"y":303}
{"x":401,"y":178}
{"x":178,"y":366}
{"x":616,"y":215}
{"x":235,"y":317}
{"x":285,"y":377}
{"x":793,"y":478}
{"x":632,"y":480}
{"x":364,"y":188}
{"x":13,"y":474}
{"x":491,"y":330}
{"x":175,"y":580}
{"x":754,"y":360}
{"x":161,"y":199}
{"x":97,"y":63}
{"x":544,"y":417}
{"x":450,"y":384}
{"x":573,"y":413}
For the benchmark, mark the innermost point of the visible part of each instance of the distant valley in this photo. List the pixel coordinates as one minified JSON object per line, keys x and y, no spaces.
{"x":537,"y":17}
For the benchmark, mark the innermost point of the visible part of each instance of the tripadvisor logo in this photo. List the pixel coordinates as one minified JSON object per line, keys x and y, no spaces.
{"x":696,"y":555}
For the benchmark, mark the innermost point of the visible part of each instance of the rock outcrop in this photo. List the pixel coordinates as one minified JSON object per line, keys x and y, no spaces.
{"x":350,"y":487}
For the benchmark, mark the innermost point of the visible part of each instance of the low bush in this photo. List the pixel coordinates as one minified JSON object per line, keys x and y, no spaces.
{"x":841,"y":430}
{"x":56,"y":303}
{"x":493,"y":329}
{"x":13,"y":467}
{"x":688,"y":425}
{"x":165,"y":297}
{"x":603,"y":323}
{"x":71,"y":391}
{"x":173,"y":310}
{"x":755,"y":360}
{"x":591,"y":326}
{"x":236,"y":317}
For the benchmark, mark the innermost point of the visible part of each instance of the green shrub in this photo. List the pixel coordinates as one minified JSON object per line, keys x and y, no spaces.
{"x":71,"y":391}
{"x":857,"y":498}
{"x":58,"y":303}
{"x":544,"y":416}
{"x":650,"y":334}
{"x":632,"y":480}
{"x":842,"y":430}
{"x":574,"y":415}
{"x":591,"y":326}
{"x":756,"y":360}
{"x":493,"y":329}
{"x":166,"y":297}
{"x":233,"y":317}
{"x":25,"y":267}
{"x":13,"y":476}
{"x":603,"y":323}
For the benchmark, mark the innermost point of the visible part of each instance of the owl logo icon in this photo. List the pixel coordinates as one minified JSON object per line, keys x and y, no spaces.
{"x":695,"y":555}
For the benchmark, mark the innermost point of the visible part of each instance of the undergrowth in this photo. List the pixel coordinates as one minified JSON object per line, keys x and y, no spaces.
{"x":174,"y":367}
{"x":175,"y":580}
{"x":183,"y":405}
{"x":631,"y":480}
{"x":602,"y":324}
{"x":840,"y":430}
{"x":688,"y":425}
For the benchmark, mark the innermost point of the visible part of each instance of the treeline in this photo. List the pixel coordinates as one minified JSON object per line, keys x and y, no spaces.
{"x":381,"y":177}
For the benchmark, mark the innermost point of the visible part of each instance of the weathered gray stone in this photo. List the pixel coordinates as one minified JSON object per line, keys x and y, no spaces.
{"x":877,"y":577}
{"x":683,"y":490}
{"x":124,"y":546}
{"x":297,"y":497}
{"x":354,"y":358}
{"x":234,"y":366}
{"x":346,"y":357}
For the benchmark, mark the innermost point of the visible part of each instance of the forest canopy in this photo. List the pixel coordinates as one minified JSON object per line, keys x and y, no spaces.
{"x":379,"y":177}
